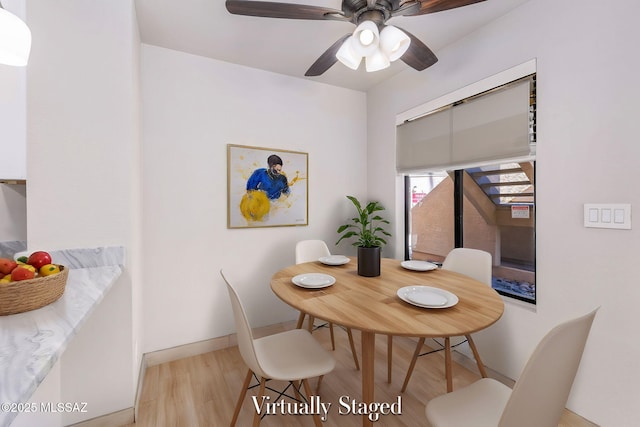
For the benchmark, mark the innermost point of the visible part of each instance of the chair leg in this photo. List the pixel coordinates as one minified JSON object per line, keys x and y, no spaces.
{"x":333,"y":341}
{"x":243,"y":393}
{"x":447,"y":364}
{"x":316,"y":416}
{"x":389,"y":356}
{"x":416,"y":353}
{"x":296,"y":387}
{"x":476,"y":355}
{"x":353,"y":349}
{"x":300,"y":320}
{"x":257,"y":417}
{"x":310,"y":323}
{"x":318,"y":385}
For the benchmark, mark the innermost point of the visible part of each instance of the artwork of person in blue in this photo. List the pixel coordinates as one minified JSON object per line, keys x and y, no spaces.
{"x":271,"y":180}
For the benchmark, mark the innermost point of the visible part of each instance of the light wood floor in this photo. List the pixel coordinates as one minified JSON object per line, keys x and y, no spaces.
{"x":202,"y":390}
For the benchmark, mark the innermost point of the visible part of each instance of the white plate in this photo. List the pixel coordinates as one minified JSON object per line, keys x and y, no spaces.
{"x":418,"y":265}
{"x":427,"y":297}
{"x":313,"y":280}
{"x":334,"y":260}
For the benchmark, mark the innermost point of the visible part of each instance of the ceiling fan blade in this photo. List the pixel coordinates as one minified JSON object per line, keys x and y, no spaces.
{"x":407,"y":8}
{"x":327,"y":59}
{"x":270,"y":9}
{"x":418,"y":56}
{"x":432,"y":6}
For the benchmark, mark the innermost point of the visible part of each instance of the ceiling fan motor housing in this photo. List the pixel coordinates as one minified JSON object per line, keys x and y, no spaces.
{"x":379,"y":13}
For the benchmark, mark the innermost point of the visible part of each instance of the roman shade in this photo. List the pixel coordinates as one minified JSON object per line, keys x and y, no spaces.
{"x":490,"y":127}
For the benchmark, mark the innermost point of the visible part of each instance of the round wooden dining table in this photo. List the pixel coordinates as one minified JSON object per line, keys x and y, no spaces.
{"x":372,"y":306}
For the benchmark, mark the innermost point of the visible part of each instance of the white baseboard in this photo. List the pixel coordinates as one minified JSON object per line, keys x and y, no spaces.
{"x":185,"y":350}
{"x":119,"y":418}
{"x":193,"y":349}
{"x":129,"y":415}
{"x":206,"y":346}
{"x":143,"y":369}
{"x":470,"y":364}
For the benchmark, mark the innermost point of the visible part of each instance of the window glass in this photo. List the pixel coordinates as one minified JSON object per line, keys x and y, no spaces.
{"x":431,"y":212}
{"x":498,"y":216}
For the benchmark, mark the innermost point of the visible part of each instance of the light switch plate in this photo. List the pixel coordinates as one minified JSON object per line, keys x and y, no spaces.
{"x":607,"y":215}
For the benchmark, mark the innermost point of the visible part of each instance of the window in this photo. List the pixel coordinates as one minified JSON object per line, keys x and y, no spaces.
{"x":495,"y":211}
{"x":469,"y":171}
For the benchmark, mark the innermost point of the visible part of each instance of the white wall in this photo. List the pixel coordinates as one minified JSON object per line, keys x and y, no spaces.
{"x":13,"y":113}
{"x":84,"y":174}
{"x":192,"y":107}
{"x":587,"y":152}
{"x":13,"y":144}
{"x":13,"y":212}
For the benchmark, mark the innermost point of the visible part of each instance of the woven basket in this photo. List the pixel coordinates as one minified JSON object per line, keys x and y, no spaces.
{"x":26,"y":295}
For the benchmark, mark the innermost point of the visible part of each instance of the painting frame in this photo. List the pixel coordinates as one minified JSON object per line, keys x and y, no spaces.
{"x":258,"y":196}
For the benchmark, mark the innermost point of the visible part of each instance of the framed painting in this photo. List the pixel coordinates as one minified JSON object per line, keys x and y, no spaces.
{"x":266,"y":187}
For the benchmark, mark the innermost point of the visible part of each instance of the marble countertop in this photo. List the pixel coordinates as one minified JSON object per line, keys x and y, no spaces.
{"x":32,"y":342}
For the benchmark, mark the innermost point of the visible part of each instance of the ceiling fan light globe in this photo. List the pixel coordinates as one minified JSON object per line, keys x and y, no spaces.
{"x":15,"y":39}
{"x":347,"y":56}
{"x":394,"y":42}
{"x":377,"y":61}
{"x":366,"y":38}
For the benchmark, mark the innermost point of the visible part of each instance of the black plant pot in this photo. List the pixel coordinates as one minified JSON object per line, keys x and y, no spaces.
{"x":369,"y":261}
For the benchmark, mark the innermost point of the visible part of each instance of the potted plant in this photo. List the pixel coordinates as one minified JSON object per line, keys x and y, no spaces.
{"x":365,"y":227}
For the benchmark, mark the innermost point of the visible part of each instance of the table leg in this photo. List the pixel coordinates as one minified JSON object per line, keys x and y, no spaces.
{"x":447,"y":364}
{"x":389,"y":356}
{"x":300,"y":320}
{"x":368,"y":373}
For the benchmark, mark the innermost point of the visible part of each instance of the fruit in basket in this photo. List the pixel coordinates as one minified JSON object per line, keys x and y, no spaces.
{"x":49,"y":269}
{"x":38,"y":259}
{"x":22,"y":273}
{"x":7,"y":265}
{"x":28,"y":267}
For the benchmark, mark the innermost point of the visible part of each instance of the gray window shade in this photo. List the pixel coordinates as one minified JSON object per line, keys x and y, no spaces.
{"x":494,"y":126}
{"x":424,"y":143}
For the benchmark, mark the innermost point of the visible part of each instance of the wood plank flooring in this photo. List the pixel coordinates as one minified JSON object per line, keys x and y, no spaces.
{"x":202,"y":390}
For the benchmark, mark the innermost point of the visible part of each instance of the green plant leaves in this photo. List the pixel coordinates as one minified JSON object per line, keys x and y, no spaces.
{"x":366,"y":224}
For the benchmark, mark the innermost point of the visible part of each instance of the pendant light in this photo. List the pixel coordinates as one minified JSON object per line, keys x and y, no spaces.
{"x":365,"y":38}
{"x":347,"y":55}
{"x":15,"y":39}
{"x":394,"y":42}
{"x":379,"y":48}
{"x":377,"y":61}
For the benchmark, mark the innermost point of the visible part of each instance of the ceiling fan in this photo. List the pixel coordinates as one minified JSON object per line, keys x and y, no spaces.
{"x":350,"y":49}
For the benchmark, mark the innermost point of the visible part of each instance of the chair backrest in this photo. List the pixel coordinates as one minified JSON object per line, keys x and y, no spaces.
{"x":311,"y":250}
{"x":243,"y":330}
{"x":470,"y":262}
{"x":540,"y":394}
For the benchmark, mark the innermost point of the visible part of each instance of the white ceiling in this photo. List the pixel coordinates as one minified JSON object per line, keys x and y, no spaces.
{"x":286,"y":46}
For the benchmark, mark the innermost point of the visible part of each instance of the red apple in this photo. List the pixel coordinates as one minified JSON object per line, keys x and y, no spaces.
{"x":7,"y":265}
{"x":21,"y":273}
{"x":38,"y":259}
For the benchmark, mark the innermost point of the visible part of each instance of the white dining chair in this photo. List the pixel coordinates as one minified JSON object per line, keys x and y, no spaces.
{"x":292,"y":356}
{"x":308,"y":251}
{"x":476,"y":264}
{"x":539,"y":395}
